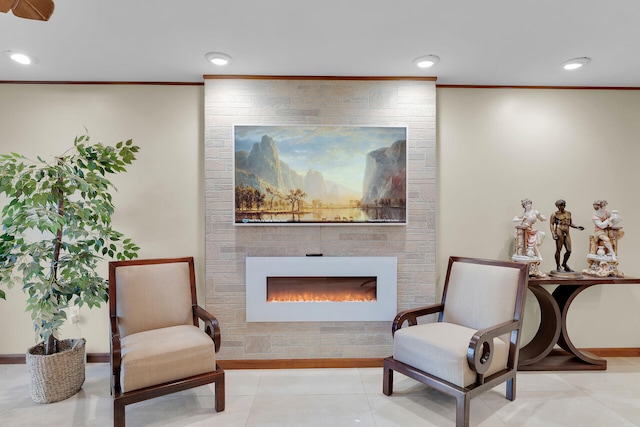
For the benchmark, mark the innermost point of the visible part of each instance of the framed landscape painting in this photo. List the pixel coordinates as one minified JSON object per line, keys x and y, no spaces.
{"x":315,"y":175}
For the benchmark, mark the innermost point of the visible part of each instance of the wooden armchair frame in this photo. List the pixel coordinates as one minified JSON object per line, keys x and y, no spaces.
{"x":479,"y":353}
{"x":211,"y":328}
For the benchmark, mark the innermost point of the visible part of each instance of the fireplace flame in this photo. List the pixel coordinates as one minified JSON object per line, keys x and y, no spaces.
{"x":321,"y":289}
{"x":322,"y":297}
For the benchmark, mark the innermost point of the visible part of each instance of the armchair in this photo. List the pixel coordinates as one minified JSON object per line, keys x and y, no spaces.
{"x":157,"y":347}
{"x":474,"y":344}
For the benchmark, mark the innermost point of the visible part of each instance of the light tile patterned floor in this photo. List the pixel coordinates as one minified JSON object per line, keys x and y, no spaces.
{"x":341,"y":397}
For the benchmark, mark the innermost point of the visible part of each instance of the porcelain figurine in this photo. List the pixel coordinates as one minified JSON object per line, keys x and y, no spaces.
{"x":603,"y":243}
{"x":528,"y":238}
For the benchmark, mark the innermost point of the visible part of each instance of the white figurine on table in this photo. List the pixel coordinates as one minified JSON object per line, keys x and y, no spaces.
{"x":606,"y":234}
{"x":528,"y":238}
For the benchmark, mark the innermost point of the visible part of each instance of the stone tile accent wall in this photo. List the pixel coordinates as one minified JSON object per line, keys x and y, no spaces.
{"x":296,"y":101}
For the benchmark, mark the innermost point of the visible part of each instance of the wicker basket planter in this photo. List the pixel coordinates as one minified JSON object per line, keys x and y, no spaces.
{"x":57,"y":376}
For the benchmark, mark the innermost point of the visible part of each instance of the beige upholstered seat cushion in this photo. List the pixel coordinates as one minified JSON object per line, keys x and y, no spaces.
{"x":440,"y":349}
{"x":161,"y":355}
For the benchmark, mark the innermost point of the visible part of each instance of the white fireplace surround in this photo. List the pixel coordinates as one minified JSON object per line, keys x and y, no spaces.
{"x":384,"y":308}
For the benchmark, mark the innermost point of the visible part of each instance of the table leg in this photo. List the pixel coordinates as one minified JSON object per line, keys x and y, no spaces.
{"x":565,"y":295}
{"x":548,"y":331}
{"x":539,"y":354}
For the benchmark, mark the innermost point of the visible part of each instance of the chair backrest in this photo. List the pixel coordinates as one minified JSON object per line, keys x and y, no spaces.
{"x":151,"y":294}
{"x":481,"y":293}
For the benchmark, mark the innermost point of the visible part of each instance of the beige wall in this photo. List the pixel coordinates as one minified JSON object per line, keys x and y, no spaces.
{"x":159,"y":203}
{"x":495,"y":147}
{"x":498,"y":146}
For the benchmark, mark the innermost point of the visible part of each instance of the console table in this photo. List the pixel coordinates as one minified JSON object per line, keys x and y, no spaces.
{"x":539,"y":354}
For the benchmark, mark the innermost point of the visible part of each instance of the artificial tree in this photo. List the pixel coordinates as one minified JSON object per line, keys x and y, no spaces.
{"x":56,"y":227}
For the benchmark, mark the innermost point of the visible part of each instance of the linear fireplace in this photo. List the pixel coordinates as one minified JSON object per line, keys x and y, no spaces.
{"x":284,"y":289}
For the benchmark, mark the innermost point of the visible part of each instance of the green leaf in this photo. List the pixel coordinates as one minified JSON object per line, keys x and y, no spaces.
{"x":56,"y":273}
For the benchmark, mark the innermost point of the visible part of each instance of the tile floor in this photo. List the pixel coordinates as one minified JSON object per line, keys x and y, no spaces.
{"x":341,"y":397}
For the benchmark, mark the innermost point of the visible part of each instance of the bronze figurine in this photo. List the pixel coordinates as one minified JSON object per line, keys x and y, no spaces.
{"x":560,"y":223}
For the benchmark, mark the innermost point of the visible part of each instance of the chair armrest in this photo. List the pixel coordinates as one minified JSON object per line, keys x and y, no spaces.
{"x":115,"y":351}
{"x":411,"y":316}
{"x":211,"y":325}
{"x":480,"y":351}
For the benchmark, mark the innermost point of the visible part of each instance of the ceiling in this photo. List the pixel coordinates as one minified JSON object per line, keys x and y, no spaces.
{"x":489,"y":42}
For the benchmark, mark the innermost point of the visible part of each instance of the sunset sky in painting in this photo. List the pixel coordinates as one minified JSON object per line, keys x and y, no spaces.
{"x":339,"y":152}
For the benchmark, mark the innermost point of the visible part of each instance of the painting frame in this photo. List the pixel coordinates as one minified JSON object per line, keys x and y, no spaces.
{"x":319,"y":175}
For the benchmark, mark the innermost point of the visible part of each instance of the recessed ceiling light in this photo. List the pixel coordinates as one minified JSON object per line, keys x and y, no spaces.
{"x":575,"y":63}
{"x":218,"y":58}
{"x":426,"y":61}
{"x":20,"y":58}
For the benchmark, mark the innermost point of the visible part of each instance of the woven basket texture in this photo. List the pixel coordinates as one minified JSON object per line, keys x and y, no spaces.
{"x":57,"y":376}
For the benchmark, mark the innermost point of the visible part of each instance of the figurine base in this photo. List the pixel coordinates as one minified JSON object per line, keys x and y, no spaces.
{"x":602,"y":266}
{"x":565,"y":274}
{"x":534,"y":264}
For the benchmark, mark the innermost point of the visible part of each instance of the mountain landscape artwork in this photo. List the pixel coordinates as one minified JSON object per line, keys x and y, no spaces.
{"x":320,"y":175}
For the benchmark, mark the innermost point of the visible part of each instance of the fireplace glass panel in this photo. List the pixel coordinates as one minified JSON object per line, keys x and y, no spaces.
{"x":321,"y":289}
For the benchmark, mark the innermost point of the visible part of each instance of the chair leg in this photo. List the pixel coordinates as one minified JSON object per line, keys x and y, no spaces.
{"x":220,"y":396}
{"x":462,"y":410}
{"x":511,"y":388}
{"x":387,"y":380}
{"x":118,"y":414}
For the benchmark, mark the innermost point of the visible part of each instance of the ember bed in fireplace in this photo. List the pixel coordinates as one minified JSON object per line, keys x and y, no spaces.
{"x":288,"y":289}
{"x":321,"y":289}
